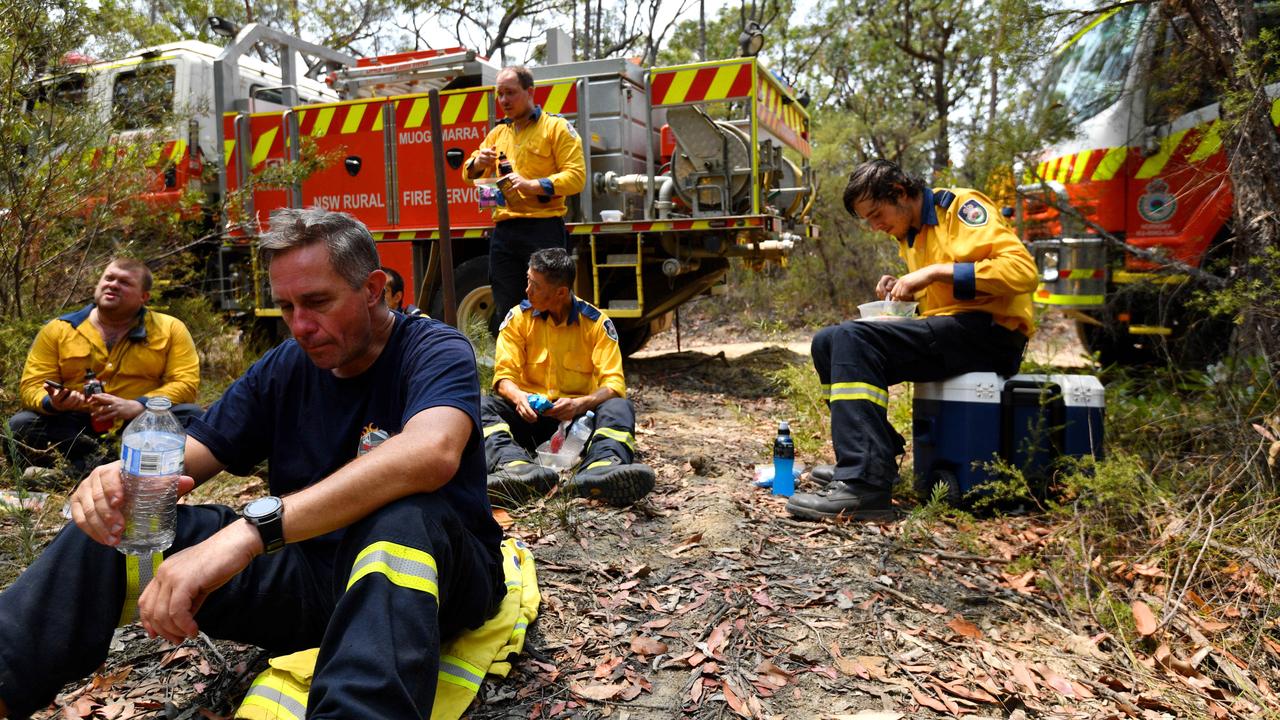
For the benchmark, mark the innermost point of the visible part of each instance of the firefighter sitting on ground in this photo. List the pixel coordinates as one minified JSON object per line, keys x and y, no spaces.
{"x":973,"y":279}
{"x":564,"y":348}
{"x":377,"y":542}
{"x":133,"y":352}
{"x":394,"y":294}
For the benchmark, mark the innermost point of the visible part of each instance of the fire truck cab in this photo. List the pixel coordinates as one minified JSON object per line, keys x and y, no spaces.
{"x":1146,"y":165}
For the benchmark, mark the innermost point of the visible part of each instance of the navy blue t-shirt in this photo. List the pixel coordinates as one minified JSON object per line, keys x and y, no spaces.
{"x":307,"y":423}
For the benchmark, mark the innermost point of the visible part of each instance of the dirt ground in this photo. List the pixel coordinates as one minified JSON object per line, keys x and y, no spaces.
{"x":707,"y":601}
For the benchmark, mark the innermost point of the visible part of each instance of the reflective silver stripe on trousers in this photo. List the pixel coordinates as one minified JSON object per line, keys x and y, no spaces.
{"x":285,"y":702}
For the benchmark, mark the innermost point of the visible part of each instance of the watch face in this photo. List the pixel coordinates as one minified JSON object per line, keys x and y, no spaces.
{"x":262,"y":507}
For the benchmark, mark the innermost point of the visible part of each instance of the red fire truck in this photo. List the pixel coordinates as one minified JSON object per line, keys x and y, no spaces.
{"x":692,"y":165}
{"x":1147,"y":166}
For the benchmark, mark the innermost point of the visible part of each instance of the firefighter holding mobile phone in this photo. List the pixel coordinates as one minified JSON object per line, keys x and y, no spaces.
{"x":91,"y":370}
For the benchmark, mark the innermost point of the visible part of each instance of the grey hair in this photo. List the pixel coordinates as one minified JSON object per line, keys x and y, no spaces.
{"x":352,"y":252}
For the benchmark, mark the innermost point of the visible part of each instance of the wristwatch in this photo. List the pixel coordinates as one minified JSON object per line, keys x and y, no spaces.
{"x":267,"y":514}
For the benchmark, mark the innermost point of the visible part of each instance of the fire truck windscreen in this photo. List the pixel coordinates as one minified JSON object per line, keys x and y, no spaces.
{"x":1088,"y":73}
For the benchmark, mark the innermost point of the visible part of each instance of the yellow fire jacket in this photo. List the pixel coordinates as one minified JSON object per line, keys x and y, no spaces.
{"x":994,"y":273}
{"x":568,"y":360}
{"x":547,"y":150}
{"x":282,"y":688}
{"x":156,"y":358}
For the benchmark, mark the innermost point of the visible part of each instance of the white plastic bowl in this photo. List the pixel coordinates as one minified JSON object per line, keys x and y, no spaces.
{"x":887,"y":309}
{"x":611,"y":215}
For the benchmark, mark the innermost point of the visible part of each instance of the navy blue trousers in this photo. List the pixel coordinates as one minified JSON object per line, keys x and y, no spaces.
{"x":858,"y":361}
{"x":379,"y":640}
{"x":508,"y":437}
{"x":510,"y":246}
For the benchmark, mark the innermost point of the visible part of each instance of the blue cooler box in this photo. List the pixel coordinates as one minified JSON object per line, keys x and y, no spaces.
{"x":967,"y":421}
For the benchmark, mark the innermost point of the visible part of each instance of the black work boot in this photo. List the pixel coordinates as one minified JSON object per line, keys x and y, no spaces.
{"x":823,"y":473}
{"x":854,"y":501}
{"x":613,"y":482}
{"x":518,"y":481}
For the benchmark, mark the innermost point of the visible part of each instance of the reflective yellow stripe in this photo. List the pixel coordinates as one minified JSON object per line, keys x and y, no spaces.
{"x":500,"y":427}
{"x":679,"y":87}
{"x":377,"y":119}
{"x":405,"y":566}
{"x":1149,"y":330}
{"x":1082,"y":161}
{"x":1275,"y":112}
{"x":262,"y":148}
{"x":355,"y":113}
{"x":228,"y":147}
{"x":457,"y":671}
{"x":278,"y":698}
{"x":625,"y":438}
{"x":1156,"y":163}
{"x":860,"y":391}
{"x":1064,"y":168}
{"x":1078,"y":300}
{"x":1208,"y":145}
{"x":417,"y":113}
{"x":452,"y":108}
{"x":723,"y":81}
{"x":137,"y":574}
{"x":179,"y":148}
{"x":1110,"y":164}
{"x":1124,"y":277}
{"x":321,"y":126}
{"x":557,"y":97}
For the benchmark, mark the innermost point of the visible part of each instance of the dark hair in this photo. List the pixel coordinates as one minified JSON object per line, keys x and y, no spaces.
{"x":394,"y":281}
{"x":556,"y":265}
{"x":881,"y":181}
{"x":135,"y":266}
{"x":522,"y":74}
{"x":352,"y":252}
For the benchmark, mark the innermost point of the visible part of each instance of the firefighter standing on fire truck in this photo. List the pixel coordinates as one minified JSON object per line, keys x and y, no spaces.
{"x":547,"y":166}
{"x":973,"y":279}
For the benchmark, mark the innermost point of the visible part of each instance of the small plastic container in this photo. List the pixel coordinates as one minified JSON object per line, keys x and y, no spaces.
{"x":763,"y":475}
{"x":556,"y":461}
{"x":611,"y":215}
{"x":887,"y":310}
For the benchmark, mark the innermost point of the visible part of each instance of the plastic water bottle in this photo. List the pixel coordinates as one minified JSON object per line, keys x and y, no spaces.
{"x":152,"y":452}
{"x":578,"y":434}
{"x":784,"y":458}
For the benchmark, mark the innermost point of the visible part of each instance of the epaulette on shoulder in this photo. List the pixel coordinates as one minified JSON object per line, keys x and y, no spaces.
{"x":526,"y":306}
{"x":588,"y":311}
{"x":944,"y":198}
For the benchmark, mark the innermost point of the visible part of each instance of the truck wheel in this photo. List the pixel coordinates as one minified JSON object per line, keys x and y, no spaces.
{"x":473,"y":293}
{"x":632,"y":339}
{"x":925,"y":484}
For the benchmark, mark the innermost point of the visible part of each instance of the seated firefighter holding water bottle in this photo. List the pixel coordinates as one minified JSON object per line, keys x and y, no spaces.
{"x":375,"y":544}
{"x":94,"y":368}
{"x":560,"y":353}
{"x":973,"y":279}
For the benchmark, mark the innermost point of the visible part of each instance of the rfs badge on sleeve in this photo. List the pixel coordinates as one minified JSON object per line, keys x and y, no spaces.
{"x":973,"y":214}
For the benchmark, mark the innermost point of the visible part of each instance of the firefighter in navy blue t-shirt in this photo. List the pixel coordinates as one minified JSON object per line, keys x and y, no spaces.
{"x":376,"y":543}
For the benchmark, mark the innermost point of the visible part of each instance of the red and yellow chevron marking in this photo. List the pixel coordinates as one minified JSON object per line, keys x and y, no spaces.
{"x":469,"y":106}
{"x":1092,"y":165}
{"x":1082,"y":274}
{"x":781,"y":114}
{"x":665,"y":225}
{"x":700,"y":83}
{"x":560,"y":98}
{"x":167,"y":152}
{"x":348,"y":118}
{"x":402,"y":235}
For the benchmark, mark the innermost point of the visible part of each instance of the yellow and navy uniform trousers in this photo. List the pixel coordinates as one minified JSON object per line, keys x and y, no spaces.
{"x":568,"y":359}
{"x":979,"y":323}
{"x":156,"y":358}
{"x":389,"y":590}
{"x":509,"y":438}
{"x":547,"y":150}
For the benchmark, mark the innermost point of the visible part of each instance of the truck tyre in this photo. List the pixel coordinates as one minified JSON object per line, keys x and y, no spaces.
{"x":473,"y":293}
{"x":632,"y":339}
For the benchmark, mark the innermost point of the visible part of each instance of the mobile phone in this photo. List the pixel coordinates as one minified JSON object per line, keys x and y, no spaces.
{"x":54,"y":384}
